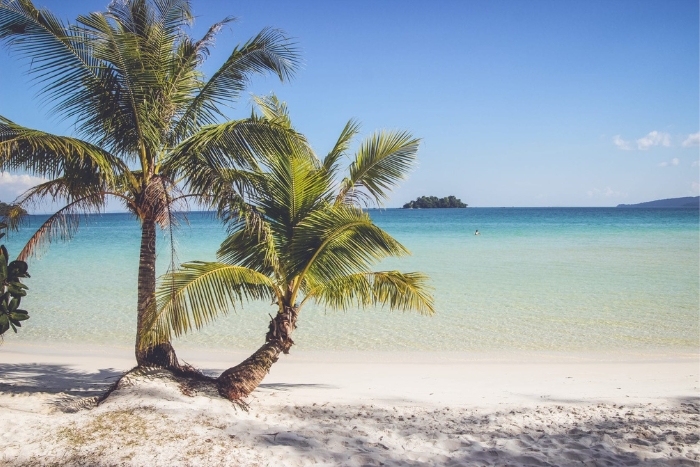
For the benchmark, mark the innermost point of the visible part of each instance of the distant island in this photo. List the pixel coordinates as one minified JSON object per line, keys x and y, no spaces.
{"x":687,"y":202}
{"x":5,"y":209}
{"x":427,"y":202}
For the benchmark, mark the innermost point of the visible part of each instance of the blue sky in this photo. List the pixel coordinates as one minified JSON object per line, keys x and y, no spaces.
{"x":537,"y":103}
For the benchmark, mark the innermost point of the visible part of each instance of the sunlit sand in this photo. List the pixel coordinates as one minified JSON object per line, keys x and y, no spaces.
{"x":354,"y":408}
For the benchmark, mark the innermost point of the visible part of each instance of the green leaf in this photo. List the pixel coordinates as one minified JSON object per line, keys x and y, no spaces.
{"x":198,"y":293}
{"x":399,"y":291}
{"x":17,"y":269}
{"x":19,"y":315}
{"x":383,"y":160}
{"x":17,"y":289}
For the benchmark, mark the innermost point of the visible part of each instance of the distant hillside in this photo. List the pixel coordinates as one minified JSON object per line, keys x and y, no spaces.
{"x":687,"y":202}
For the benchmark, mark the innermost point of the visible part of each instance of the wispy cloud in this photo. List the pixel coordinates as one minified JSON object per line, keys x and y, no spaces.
{"x":674,"y":161}
{"x":606,"y":193}
{"x":695,"y":163}
{"x":622,"y":144}
{"x":12,"y":186}
{"x":654,"y":138}
{"x":692,"y":140}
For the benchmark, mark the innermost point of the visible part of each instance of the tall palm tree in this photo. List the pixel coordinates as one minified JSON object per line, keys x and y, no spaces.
{"x":148,"y":122}
{"x":300,"y":236}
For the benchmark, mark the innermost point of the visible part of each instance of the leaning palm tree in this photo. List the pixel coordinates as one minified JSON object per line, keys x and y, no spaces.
{"x":148,"y":122}
{"x":301,"y":236}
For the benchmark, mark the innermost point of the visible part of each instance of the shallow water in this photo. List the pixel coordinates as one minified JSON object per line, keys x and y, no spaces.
{"x":559,"y":279}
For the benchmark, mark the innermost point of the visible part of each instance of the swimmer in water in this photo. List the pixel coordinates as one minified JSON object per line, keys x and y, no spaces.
{"x":477,"y":232}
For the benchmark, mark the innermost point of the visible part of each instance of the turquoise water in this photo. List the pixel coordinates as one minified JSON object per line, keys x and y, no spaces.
{"x":560,"y":279}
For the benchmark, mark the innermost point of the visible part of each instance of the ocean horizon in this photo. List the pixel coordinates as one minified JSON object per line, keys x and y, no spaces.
{"x":535,"y":279}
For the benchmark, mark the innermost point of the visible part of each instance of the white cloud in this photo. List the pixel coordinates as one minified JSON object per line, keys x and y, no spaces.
{"x":654,"y":138}
{"x":12,"y":186}
{"x":674,"y":161}
{"x":621,"y":143}
{"x":695,"y":163}
{"x":607,"y":193}
{"x":692,"y":140}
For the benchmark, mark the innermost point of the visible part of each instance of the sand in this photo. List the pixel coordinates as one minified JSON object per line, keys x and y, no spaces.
{"x":354,"y":409}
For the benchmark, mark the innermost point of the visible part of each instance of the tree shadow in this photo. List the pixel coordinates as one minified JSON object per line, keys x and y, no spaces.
{"x":49,"y":378}
{"x":606,"y":435}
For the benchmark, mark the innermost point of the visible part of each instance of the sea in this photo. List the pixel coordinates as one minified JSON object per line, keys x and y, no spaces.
{"x":535,"y":279}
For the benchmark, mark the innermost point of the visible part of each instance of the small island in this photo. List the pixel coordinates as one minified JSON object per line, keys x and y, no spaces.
{"x":427,"y":202}
{"x":5,"y":209}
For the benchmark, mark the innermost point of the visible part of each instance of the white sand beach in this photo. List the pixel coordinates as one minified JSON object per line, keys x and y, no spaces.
{"x":355,"y":409}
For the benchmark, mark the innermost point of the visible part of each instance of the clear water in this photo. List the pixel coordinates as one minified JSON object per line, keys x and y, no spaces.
{"x":559,"y":279}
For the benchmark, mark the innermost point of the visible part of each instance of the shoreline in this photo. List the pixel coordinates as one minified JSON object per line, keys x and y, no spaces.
{"x":487,"y":379}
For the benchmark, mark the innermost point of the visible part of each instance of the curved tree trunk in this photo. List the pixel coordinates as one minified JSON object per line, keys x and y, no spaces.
{"x":238,"y":382}
{"x":162,"y":355}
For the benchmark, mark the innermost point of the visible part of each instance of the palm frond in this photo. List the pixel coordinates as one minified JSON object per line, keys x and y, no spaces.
{"x":52,"y":156}
{"x":330,"y":163}
{"x":184,"y":80}
{"x":60,"y":54}
{"x":338,"y":241}
{"x":397,"y":290}
{"x":252,"y":245}
{"x":294,"y":186}
{"x":201,"y":47}
{"x":125,"y":110}
{"x":269,"y":51}
{"x":382,"y":161}
{"x":64,"y":223}
{"x":174,"y":14}
{"x":236,"y":144}
{"x":273,"y":110}
{"x":198,"y":293}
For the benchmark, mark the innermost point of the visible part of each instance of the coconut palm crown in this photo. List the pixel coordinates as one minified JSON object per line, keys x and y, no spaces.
{"x":299,"y":236}
{"x":147,"y":121}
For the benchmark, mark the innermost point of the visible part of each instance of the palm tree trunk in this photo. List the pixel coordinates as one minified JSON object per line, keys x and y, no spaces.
{"x":162,"y":355}
{"x":238,"y":382}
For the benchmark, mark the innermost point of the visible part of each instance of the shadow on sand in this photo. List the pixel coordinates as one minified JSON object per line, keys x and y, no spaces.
{"x":54,"y":379}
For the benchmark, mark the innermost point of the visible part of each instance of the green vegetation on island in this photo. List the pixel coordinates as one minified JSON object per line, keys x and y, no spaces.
{"x":427,"y":202}
{"x":11,"y":210}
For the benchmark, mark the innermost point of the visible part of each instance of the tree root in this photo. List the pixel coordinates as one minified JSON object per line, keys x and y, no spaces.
{"x":191,"y":381}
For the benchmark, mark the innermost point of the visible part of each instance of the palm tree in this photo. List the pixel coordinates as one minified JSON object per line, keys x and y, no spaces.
{"x":148,"y":121}
{"x":300,"y":236}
